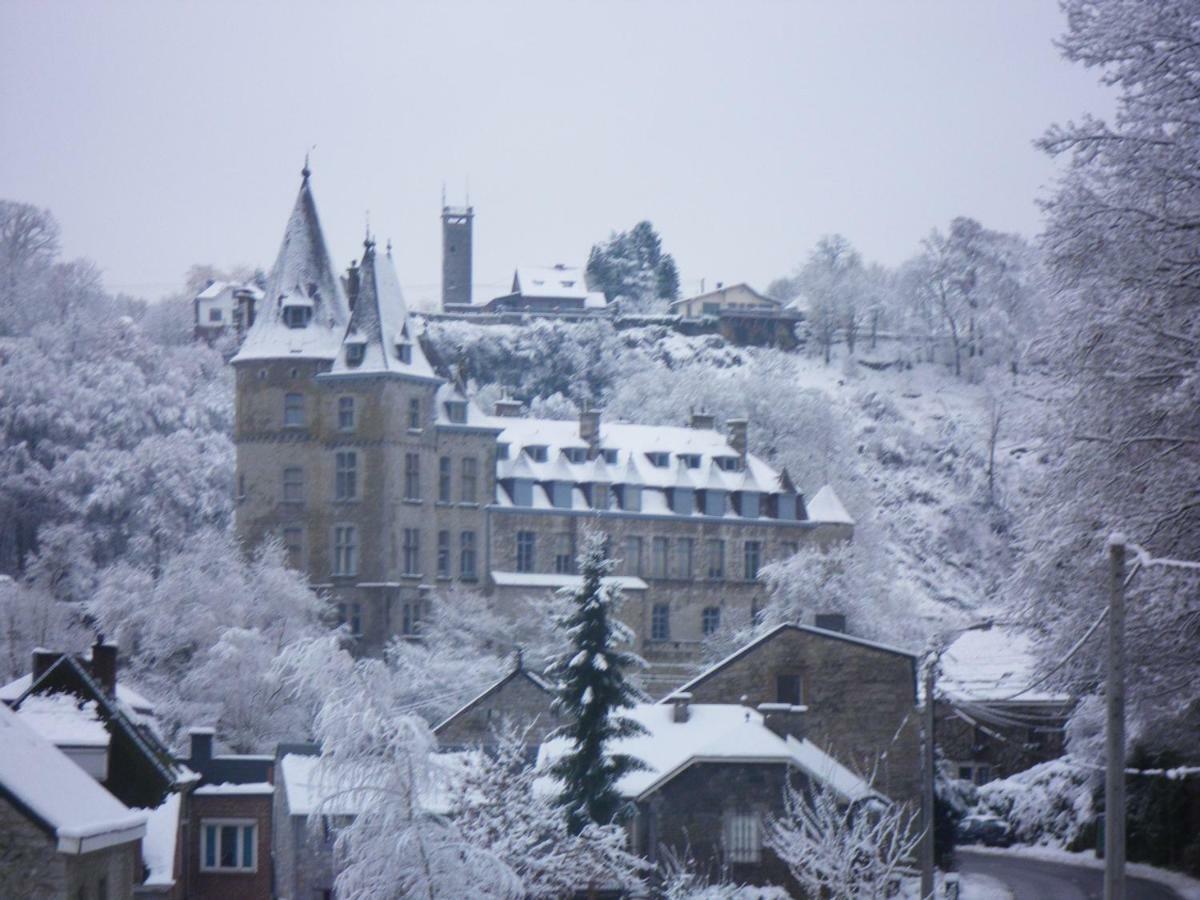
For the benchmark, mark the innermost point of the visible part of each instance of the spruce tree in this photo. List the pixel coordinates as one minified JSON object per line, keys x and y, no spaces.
{"x":592,"y":691}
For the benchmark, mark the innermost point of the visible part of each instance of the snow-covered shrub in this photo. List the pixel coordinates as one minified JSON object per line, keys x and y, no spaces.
{"x":1050,"y":803}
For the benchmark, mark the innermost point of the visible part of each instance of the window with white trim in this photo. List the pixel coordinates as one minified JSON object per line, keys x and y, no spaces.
{"x":743,"y":837}
{"x":345,"y":481}
{"x":345,"y":550}
{"x":228,"y":845}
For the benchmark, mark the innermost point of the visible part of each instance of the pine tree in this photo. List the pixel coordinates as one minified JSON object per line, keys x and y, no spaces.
{"x":592,"y":691}
{"x":631,"y":266}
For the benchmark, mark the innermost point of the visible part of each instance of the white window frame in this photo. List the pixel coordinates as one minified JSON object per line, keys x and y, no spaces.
{"x":294,"y":414}
{"x":218,"y":824}
{"x":743,"y":837}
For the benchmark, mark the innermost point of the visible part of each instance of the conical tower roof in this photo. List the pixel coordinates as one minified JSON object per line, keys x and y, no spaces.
{"x":381,"y":338}
{"x":303,"y":278}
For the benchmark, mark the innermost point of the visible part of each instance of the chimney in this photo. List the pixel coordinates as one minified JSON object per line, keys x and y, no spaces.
{"x":201,"y":744}
{"x":352,"y":284}
{"x":680,"y":703}
{"x":831,"y":621}
{"x":737,"y":436}
{"x":589,"y":430}
{"x":508,"y":408}
{"x":784,"y":719}
{"x":43,"y":659}
{"x":703,"y":421}
{"x":104,"y":665}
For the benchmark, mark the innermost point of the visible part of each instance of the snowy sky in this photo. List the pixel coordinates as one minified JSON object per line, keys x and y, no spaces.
{"x":163,"y":134}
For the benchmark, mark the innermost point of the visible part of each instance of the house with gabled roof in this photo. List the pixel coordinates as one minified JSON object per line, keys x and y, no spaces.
{"x":61,"y":833}
{"x":521,"y":699}
{"x":558,"y":289}
{"x":860,"y":695}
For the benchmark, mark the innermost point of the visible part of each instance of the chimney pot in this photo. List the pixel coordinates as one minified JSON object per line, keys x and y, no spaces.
{"x":43,"y":659}
{"x":703,"y":421}
{"x":738,"y":429}
{"x":589,"y":430}
{"x":680,"y":706}
{"x":201,"y":744}
{"x":784,"y":719}
{"x":507,"y":408}
{"x":104,"y":665}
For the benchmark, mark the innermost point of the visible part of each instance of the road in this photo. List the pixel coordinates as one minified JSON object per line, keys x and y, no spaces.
{"x":1036,"y":879}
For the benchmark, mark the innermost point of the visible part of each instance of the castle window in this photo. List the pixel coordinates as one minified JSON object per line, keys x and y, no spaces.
{"x":660,"y":622}
{"x":412,"y":476}
{"x":564,"y":554}
{"x":466,"y":555}
{"x":345,"y":476}
{"x":683,"y":501}
{"x":410,"y":618}
{"x":412,"y":551}
{"x":536,"y":453}
{"x":293,"y":545}
{"x":525,"y":551}
{"x":710,"y":620}
{"x":658,"y":459}
{"x":560,"y":494}
{"x":414,"y":413}
{"x":691,"y":460}
{"x":752,"y":551}
{"x":444,"y":479}
{"x":716,"y":559}
{"x":660,"y":557}
{"x":355,"y":350}
{"x":470,"y":480}
{"x":293,"y":410}
{"x":727,"y":463}
{"x":296,"y":316}
{"x":599,"y":496}
{"x":293,"y":484}
{"x":748,"y":503}
{"x":350,"y":614}
{"x":610,"y":456}
{"x":456,"y":412}
{"x":501,"y":451}
{"x":714,"y":503}
{"x":345,"y":550}
{"x":633,"y":556}
{"x":346,"y":413}
{"x":443,"y":554}
{"x":631,"y":498}
{"x":576,"y":454}
{"x":404,"y":352}
{"x":683,"y":558}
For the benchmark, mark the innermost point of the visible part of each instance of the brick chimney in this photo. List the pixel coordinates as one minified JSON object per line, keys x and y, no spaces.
{"x":589,"y":430}
{"x":508,"y":408}
{"x":702,"y":420}
{"x":104,"y":665}
{"x":680,"y":706}
{"x":201,"y":744}
{"x":737,"y":436}
{"x":43,"y":659}
{"x":784,"y":719}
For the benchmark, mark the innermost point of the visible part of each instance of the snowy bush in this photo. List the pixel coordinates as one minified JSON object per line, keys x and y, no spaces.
{"x":1050,"y":803}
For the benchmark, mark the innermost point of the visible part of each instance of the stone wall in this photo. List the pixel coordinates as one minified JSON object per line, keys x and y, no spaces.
{"x":861,"y":700}
{"x":518,"y":700}
{"x":1000,"y":750}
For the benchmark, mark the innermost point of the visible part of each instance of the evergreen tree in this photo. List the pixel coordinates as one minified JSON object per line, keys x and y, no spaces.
{"x":592,"y":691}
{"x":630,"y":266}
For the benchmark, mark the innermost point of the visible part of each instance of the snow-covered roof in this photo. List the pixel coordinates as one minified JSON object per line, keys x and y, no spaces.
{"x":229,"y":788}
{"x":718,"y":732}
{"x":725,"y":289}
{"x":518,"y":672}
{"x":217,"y":288}
{"x":551,"y":580}
{"x":133,"y":703}
{"x":380,"y":325}
{"x":310,"y":786}
{"x":158,"y":846}
{"x":64,"y":720}
{"x":826,"y":506}
{"x":550,"y":281}
{"x":65,"y":799}
{"x":993,"y":665}
{"x":303,"y":273}
{"x":447,"y":393}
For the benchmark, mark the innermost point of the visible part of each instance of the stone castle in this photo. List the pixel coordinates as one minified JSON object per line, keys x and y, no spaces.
{"x":389,"y":487}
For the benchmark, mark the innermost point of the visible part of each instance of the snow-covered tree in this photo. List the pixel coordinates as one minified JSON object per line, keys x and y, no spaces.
{"x":833,"y":282}
{"x":840,"y":850}
{"x":499,"y":804}
{"x":592,"y":691}
{"x":1125,"y":268}
{"x":30,"y":617}
{"x":631,"y":267}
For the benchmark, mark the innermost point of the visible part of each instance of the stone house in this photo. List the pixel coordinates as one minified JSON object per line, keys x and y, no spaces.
{"x":521,"y":698}
{"x":715,"y":774}
{"x":745,"y":316}
{"x":62,"y":835}
{"x":303,"y":851}
{"x":860,"y":697}
{"x":225,"y":307}
{"x":550,"y":290}
{"x":739,"y":297}
{"x":388,"y":486}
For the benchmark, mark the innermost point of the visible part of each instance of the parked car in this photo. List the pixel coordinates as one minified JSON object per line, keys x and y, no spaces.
{"x":986,"y":829}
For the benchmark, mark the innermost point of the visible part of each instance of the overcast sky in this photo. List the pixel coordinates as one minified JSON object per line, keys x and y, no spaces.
{"x":164,"y":134}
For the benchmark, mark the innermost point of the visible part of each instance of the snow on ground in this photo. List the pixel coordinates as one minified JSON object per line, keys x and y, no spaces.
{"x":1188,"y":888}
{"x":158,"y":846}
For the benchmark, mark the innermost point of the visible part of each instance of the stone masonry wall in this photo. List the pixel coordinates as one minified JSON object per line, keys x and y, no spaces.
{"x":518,"y":700}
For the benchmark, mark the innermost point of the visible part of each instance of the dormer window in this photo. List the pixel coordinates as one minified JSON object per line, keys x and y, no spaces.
{"x":658,"y":459}
{"x":404,"y":352}
{"x":691,"y":460}
{"x":576,"y":454}
{"x":728,"y":463}
{"x":610,"y":456}
{"x":296,"y":316}
{"x":456,"y":411}
{"x":354,"y":353}
{"x":501,"y":451}
{"x":537,"y":452}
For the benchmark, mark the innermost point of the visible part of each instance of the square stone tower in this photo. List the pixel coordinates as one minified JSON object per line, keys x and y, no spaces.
{"x":456,"y":254}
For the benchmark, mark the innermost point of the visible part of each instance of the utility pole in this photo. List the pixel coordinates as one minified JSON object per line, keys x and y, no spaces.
{"x":1114,"y":782}
{"x":927,"y":777}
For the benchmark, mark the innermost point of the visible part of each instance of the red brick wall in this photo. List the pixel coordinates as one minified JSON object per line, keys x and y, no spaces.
{"x":229,"y":885}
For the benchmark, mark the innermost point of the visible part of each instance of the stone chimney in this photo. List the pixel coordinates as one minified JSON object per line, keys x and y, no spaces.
{"x":737,"y":436}
{"x":831,"y":621}
{"x":43,"y":659}
{"x":201,"y":744}
{"x":353,"y":282}
{"x":680,"y":706}
{"x":508,"y":408}
{"x":589,"y":430}
{"x":703,"y":420}
{"x":784,"y":719}
{"x":104,"y":665}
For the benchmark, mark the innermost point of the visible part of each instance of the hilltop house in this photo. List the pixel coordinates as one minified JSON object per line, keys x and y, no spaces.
{"x":556,"y":289}
{"x":745,"y":316}
{"x":224,"y":307}
{"x":386,"y":484}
